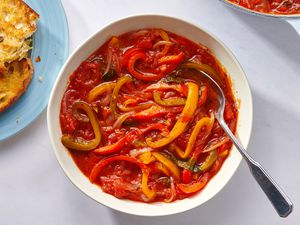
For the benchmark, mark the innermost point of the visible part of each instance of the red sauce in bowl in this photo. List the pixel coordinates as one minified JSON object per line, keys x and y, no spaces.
{"x":138,"y":117}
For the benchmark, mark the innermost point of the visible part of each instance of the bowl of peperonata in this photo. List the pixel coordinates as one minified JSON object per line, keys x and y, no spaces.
{"x":132,"y":121}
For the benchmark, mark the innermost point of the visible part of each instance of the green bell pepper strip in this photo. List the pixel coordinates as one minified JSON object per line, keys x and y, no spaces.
{"x":168,"y":101}
{"x":113,"y":102}
{"x":79,"y":143}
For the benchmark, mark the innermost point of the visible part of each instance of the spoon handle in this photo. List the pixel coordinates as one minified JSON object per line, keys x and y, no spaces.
{"x":278,"y":198}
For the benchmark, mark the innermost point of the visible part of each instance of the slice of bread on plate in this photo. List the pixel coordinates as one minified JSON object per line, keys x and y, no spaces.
{"x":14,"y":82}
{"x":18,"y":22}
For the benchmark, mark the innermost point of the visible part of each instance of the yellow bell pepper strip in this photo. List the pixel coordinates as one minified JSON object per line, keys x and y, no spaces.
{"x":205,"y":68}
{"x":169,"y":101}
{"x":169,"y":63}
{"x":194,"y":187}
{"x":162,"y":168}
{"x":113,"y":102}
{"x":172,"y":167}
{"x":174,"y":148}
{"x":145,"y":171}
{"x":146,"y":190}
{"x":100,"y":89}
{"x":165,"y":37}
{"x":78,"y":143}
{"x":173,"y":59}
{"x":139,"y":107}
{"x":129,"y":101}
{"x":203,"y":122}
{"x":142,"y":75}
{"x":209,"y":161}
{"x":162,"y":43}
{"x":184,"y":118}
{"x":224,"y":153}
{"x":79,"y":116}
{"x":114,"y":42}
{"x":203,"y":97}
{"x":146,"y":158}
{"x":139,"y":143}
{"x":161,"y":86}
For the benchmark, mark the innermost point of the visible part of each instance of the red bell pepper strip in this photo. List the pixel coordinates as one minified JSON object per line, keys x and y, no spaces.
{"x":186,"y":176}
{"x":153,"y":111}
{"x":127,"y":55}
{"x":145,"y":171}
{"x":109,"y":149}
{"x":104,"y":162}
{"x":157,"y":126}
{"x":138,"y":74}
{"x":194,"y":187}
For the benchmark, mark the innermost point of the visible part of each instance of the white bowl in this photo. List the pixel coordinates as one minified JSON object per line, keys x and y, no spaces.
{"x":181,"y":28}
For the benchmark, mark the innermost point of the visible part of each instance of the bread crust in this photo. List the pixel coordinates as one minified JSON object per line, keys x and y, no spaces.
{"x":15,"y":82}
{"x":17,"y":24}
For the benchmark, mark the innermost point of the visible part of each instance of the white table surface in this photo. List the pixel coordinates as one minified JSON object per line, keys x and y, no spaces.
{"x":34,"y":189}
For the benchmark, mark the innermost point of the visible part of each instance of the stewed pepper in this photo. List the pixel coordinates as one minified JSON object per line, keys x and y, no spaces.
{"x":194,"y":187}
{"x":145,"y":172}
{"x":100,"y":89}
{"x":203,"y":122}
{"x":113,"y":102}
{"x":168,"y":163}
{"x":205,"y":68}
{"x":78,"y":143}
{"x":175,"y":101}
{"x":142,"y":75}
{"x":184,"y":118}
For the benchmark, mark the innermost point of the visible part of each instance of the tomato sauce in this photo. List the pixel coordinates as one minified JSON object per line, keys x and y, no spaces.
{"x":150,"y":83}
{"x":283,"y":7}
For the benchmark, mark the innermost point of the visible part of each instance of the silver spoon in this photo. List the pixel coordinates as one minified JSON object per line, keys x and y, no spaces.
{"x":278,"y":198}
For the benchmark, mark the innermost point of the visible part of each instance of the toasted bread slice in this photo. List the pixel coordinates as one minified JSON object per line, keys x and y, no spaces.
{"x":17,"y":23}
{"x":14,"y":82}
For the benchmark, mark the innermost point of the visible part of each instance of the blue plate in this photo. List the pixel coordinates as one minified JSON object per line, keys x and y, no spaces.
{"x":51,"y":43}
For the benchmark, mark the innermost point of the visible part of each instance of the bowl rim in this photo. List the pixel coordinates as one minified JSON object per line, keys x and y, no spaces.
{"x":71,"y":58}
{"x":257,"y":13}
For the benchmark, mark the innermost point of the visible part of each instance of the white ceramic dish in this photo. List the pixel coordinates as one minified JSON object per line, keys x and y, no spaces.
{"x":193,"y":33}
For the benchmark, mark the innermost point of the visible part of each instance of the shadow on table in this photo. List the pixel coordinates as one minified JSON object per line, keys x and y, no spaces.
{"x":242,"y":197}
{"x":276,"y":32}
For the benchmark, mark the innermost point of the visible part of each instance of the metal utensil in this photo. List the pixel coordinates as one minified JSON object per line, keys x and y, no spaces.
{"x":278,"y":198}
{"x":293,"y":19}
